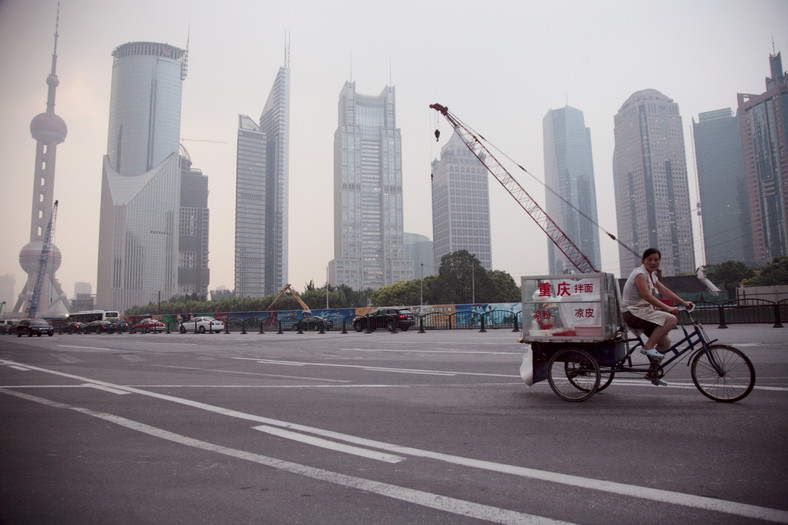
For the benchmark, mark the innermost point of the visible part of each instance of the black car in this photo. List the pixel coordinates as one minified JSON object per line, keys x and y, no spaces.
{"x":388,"y":318}
{"x":313,"y":322}
{"x":98,"y":327}
{"x":118,"y":325}
{"x":34,"y":326}
{"x":74,"y":327}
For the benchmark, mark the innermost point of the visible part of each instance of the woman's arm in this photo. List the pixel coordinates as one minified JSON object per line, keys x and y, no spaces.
{"x":668,"y":293}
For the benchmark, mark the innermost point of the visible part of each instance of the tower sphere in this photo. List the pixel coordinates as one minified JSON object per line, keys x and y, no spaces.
{"x":30,"y":256}
{"x":48,"y":128}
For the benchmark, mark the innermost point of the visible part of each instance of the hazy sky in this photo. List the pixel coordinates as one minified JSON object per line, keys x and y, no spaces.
{"x":498,"y":65}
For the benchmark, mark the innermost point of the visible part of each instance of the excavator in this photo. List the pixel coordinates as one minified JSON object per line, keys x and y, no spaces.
{"x":286,"y":288}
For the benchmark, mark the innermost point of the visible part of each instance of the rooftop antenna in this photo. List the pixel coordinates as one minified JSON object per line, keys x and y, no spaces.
{"x":287,"y":49}
{"x":391,"y":83}
{"x":351,"y":66}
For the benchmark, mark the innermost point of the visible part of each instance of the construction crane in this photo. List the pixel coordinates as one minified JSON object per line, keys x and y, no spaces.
{"x":294,"y":294}
{"x":43,"y":261}
{"x":553,"y":231}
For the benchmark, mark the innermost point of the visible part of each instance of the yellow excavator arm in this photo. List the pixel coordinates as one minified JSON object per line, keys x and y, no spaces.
{"x":293,"y":293}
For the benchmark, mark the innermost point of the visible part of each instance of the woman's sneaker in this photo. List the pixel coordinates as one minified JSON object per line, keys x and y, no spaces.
{"x":652,"y":354}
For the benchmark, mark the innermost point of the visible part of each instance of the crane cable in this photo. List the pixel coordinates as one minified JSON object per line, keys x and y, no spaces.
{"x":589,"y":219}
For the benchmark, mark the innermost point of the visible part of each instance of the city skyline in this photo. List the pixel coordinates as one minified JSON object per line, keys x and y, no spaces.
{"x":426,"y":59}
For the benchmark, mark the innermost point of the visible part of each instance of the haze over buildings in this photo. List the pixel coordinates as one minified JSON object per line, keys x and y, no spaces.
{"x":722,"y":187}
{"x":652,"y":186}
{"x":261,"y":194}
{"x":569,"y":172}
{"x":141,"y":178}
{"x":513,"y":50}
{"x":460,"y":204}
{"x":762,"y":119}
{"x":368,"y":216}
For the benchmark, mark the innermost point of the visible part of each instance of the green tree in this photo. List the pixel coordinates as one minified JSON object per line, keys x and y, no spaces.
{"x":730,"y":274}
{"x":773,"y":274}
{"x":501,"y":288}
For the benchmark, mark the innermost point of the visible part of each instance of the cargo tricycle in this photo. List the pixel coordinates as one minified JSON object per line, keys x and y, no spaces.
{"x":580,"y":343}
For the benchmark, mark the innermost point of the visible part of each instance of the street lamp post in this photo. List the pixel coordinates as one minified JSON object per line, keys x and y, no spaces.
{"x":421,"y":287}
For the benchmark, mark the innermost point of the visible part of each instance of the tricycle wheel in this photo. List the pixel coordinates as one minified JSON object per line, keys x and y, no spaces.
{"x":573,"y":374}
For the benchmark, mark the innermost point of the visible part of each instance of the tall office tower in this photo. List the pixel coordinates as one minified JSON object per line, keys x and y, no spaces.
{"x":418,"y":248}
{"x":261,"y":194}
{"x":763,"y":118}
{"x":193,"y":272}
{"x":725,"y":210}
{"x":460,"y":204}
{"x":569,"y":171}
{"x":650,"y":177}
{"x":48,"y":130}
{"x":368,"y":223}
{"x":141,"y":179}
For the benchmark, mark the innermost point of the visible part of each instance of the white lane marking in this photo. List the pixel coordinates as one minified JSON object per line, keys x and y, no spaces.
{"x":213,"y":370}
{"x":443,"y":351}
{"x":20,"y":368}
{"x":417,"y":497}
{"x":659,"y":495}
{"x":331,"y":445}
{"x":375,"y":368}
{"x":107,"y":389}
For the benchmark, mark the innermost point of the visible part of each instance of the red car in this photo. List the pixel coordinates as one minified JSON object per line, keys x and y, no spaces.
{"x":148,"y":325}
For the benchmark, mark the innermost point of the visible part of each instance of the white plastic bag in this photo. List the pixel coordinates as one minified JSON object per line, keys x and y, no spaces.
{"x":527,"y":367}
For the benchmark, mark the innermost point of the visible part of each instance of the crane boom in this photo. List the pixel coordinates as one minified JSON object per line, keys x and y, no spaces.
{"x":553,"y":231}
{"x":43,"y":261}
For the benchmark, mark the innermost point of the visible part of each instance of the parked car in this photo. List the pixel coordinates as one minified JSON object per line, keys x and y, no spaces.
{"x":29,"y":327}
{"x":148,"y":325}
{"x":202,"y":324}
{"x":7,"y":326}
{"x":388,"y":318}
{"x":74,"y":327}
{"x":98,"y":327}
{"x":118,"y":325}
{"x":313,"y":322}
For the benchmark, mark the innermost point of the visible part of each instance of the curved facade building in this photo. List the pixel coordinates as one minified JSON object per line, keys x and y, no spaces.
{"x":140,"y":189}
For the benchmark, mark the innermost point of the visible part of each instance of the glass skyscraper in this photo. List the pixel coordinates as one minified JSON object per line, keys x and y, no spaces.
{"x":140,"y":190}
{"x":650,"y":177}
{"x":193,"y":271}
{"x":460,"y":204}
{"x":762,"y":119}
{"x":261,"y":195}
{"x":368,"y":220}
{"x":569,"y":171}
{"x":725,"y":214}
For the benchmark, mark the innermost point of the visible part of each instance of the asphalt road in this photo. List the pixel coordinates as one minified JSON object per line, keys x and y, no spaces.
{"x":373,"y":428}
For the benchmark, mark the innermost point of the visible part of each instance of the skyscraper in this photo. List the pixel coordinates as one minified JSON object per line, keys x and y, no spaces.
{"x":724,"y":206}
{"x":140,"y":188}
{"x":368,"y":220}
{"x":193,"y":271}
{"x":460,"y":204}
{"x":650,"y":177}
{"x":763,"y":118}
{"x":261,"y":194}
{"x":48,"y":130}
{"x":569,"y":171}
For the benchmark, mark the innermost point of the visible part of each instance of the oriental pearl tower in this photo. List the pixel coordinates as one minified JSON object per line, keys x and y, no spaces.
{"x":48,"y":130}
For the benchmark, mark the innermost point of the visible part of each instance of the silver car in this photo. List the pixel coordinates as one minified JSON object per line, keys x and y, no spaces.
{"x":202,"y":324}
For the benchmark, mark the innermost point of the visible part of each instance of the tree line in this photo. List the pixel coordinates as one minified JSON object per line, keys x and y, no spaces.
{"x":461,"y":279}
